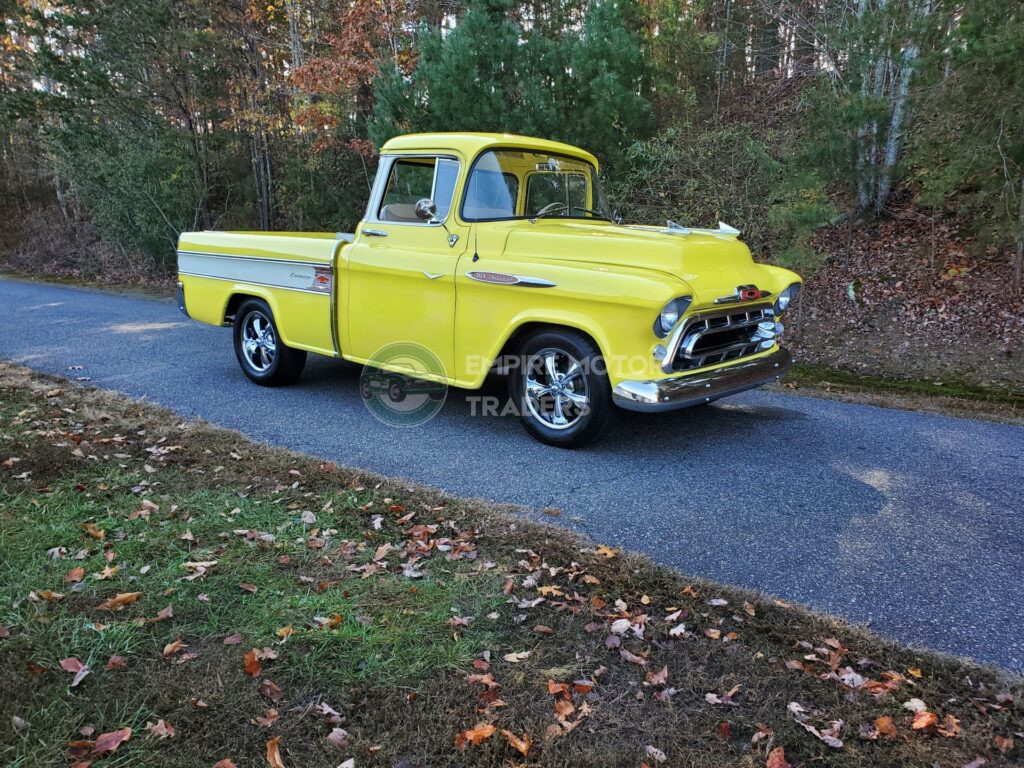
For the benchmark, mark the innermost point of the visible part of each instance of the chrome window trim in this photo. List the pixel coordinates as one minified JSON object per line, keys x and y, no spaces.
{"x":380,"y":183}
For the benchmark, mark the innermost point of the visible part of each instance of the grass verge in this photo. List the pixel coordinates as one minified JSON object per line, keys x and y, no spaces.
{"x":273,"y":610}
{"x":954,"y":397}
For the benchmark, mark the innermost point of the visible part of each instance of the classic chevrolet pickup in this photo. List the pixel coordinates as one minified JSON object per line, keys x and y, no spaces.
{"x":492,"y":251}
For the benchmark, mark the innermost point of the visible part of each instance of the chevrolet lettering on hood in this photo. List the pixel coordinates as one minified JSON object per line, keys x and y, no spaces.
{"x":486,"y":253}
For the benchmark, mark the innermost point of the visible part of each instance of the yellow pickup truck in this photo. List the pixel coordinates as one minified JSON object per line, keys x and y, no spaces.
{"x":494,"y":251}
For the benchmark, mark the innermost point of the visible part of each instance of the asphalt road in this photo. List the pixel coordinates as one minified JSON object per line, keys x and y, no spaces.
{"x":908,"y":522}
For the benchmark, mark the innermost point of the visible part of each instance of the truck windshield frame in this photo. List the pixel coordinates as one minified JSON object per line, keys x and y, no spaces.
{"x":478,"y":186}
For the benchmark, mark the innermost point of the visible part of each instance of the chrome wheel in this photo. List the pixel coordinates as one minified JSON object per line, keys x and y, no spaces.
{"x":259,"y":344}
{"x":556,"y":388}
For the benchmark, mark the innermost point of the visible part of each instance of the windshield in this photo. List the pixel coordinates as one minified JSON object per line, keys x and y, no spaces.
{"x":512,"y":184}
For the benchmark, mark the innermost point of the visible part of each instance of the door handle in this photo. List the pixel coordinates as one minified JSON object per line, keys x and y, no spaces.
{"x":375,"y":233}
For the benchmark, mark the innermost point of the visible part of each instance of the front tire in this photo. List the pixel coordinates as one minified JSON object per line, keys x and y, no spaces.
{"x":264,"y":358}
{"x":561,"y":388}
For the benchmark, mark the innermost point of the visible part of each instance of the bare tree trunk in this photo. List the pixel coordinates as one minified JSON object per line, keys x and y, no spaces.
{"x":894,"y":139}
{"x":725,"y":54}
{"x":58,"y":188}
{"x":1018,"y":260}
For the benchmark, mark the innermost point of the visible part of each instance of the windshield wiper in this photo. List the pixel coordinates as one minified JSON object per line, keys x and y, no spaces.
{"x":552,"y":211}
{"x":592,"y":212}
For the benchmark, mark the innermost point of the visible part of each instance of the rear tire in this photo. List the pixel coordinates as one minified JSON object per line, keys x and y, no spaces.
{"x":264,"y":358}
{"x":561,"y":388}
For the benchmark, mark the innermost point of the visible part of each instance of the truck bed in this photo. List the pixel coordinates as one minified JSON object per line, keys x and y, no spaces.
{"x":294,"y":272}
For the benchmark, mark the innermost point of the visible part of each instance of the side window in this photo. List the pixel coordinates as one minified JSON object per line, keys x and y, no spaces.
{"x":544,"y":189}
{"x":412,"y":179}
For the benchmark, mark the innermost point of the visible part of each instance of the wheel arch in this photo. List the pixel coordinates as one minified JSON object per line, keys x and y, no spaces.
{"x":529,"y":326}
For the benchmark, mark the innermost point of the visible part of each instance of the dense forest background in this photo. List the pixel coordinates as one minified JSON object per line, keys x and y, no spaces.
{"x":875,"y":144}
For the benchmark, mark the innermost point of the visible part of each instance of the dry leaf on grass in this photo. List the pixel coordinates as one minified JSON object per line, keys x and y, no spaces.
{"x":109,"y":742}
{"x":924,"y":720}
{"x":119,"y":601}
{"x":75,"y":667}
{"x":172,"y":648}
{"x":252,"y":663}
{"x":655,"y":754}
{"x":522,"y":745}
{"x":885,"y":726}
{"x":476,"y":735}
{"x":272,"y":691}
{"x":777,"y":759}
{"x":338,"y":737}
{"x":274,"y":753}
{"x":161,"y":729}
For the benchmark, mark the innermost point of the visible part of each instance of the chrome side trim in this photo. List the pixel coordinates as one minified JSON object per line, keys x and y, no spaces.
{"x":503,"y":278}
{"x":683,"y":391}
{"x":244,"y":257}
{"x":254,"y":282}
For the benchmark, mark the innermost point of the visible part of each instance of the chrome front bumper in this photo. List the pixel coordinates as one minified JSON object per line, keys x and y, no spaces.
{"x":683,"y":391}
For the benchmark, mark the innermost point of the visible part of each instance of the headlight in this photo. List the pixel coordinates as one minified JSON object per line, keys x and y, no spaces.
{"x":670,"y":315}
{"x":786,"y":298}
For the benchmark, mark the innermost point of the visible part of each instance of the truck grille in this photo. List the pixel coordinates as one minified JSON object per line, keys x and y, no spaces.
{"x":718,"y":337}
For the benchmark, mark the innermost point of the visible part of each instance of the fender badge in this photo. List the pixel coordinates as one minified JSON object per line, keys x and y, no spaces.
{"x":452,"y":240}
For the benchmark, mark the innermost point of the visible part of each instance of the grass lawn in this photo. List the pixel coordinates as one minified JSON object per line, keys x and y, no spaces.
{"x":172,"y":594}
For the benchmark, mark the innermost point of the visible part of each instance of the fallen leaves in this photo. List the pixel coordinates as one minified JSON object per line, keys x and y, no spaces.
{"x":274,"y":753}
{"x":172,"y":648}
{"x":109,"y":742}
{"x":272,"y":691}
{"x":338,"y":737}
{"x":198,"y":569}
{"x":655,"y":754}
{"x":515,"y":658}
{"x":923,"y":720}
{"x":777,"y":759}
{"x":161,"y":729}
{"x":474,"y":736}
{"x":266,"y":721}
{"x":119,"y":601}
{"x":75,"y":667}
{"x":885,"y":726}
{"x":829,"y":735}
{"x":75,"y":575}
{"x":521,"y":744}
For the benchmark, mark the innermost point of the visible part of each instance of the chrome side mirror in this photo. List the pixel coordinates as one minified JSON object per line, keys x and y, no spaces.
{"x":426,"y":210}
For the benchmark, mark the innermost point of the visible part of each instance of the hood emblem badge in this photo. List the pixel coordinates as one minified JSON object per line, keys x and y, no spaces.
{"x":743,"y":293}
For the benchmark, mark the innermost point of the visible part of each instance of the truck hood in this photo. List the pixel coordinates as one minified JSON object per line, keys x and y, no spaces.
{"x":713,"y":264}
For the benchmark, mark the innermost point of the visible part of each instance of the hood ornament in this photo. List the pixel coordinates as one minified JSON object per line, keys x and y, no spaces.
{"x":743,"y":293}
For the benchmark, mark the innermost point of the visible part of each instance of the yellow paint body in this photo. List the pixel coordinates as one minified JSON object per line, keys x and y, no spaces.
{"x":610,"y":281}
